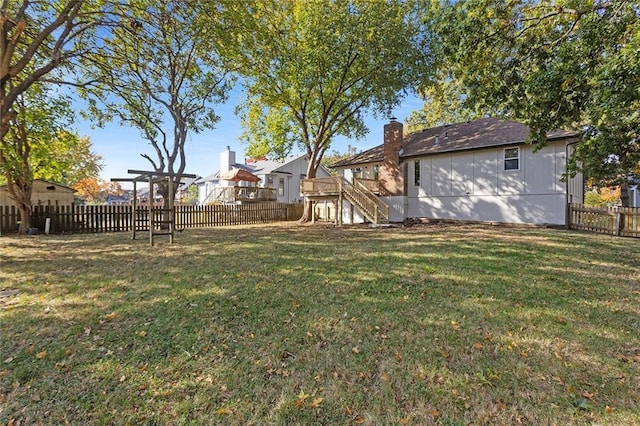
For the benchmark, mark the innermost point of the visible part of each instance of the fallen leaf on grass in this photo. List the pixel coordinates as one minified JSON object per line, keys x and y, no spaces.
{"x":359,"y":419}
{"x":41,"y":355}
{"x":223,"y":411}
{"x":434,"y":413}
{"x":316,"y":402}
{"x":301,"y":397}
{"x":477,"y":345}
{"x":455,"y":325}
{"x":608,"y":410}
{"x":588,"y":395}
{"x":112,"y":316}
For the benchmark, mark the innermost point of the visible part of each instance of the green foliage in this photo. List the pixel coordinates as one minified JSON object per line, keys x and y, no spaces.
{"x":155,"y":73}
{"x":312,"y":69}
{"x":444,"y":103}
{"x":40,"y":144}
{"x":593,"y":198}
{"x":41,"y":41}
{"x":192,"y":195}
{"x":568,"y":64}
{"x":67,"y":158}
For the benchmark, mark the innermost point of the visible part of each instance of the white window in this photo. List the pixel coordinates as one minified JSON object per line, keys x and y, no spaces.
{"x":512,"y":158}
{"x":281,"y":186}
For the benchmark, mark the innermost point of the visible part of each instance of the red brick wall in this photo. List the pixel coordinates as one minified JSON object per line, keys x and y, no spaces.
{"x":391,"y":178}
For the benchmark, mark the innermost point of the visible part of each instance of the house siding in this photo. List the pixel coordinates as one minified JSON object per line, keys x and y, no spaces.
{"x":473,"y":185}
{"x":40,"y":195}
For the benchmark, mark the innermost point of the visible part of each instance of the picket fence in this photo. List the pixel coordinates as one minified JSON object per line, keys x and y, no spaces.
{"x":96,"y":219}
{"x":620,"y":221}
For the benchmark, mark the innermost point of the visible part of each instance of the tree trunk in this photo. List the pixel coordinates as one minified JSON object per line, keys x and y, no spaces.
{"x":25,"y":217}
{"x":624,"y":195}
{"x":312,"y":169}
{"x":20,"y":193}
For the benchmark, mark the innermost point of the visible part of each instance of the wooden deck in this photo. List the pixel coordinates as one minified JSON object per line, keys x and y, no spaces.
{"x":332,"y":186}
{"x":360,"y":193}
{"x":241,"y":194}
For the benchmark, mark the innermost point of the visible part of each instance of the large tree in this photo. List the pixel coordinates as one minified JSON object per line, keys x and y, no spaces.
{"x":40,"y":42}
{"x":40,"y":37}
{"x":563,"y":64}
{"x":156,"y":74}
{"x":444,"y":103}
{"x":39,"y":145}
{"x":312,"y":70}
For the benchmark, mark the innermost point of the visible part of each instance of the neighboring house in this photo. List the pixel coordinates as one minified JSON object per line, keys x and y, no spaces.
{"x":634,"y":195}
{"x":281,"y":178}
{"x":481,"y":170}
{"x":118,"y":200}
{"x":44,"y":193}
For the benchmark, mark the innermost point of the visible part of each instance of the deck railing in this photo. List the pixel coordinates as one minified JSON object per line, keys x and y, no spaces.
{"x":329,"y":185}
{"x":359,"y":192}
{"x":376,"y":210}
{"x":232,"y":194}
{"x":372,"y":185}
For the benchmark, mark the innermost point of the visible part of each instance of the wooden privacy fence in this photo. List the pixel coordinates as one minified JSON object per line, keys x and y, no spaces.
{"x":95,"y":219}
{"x":621,"y":221}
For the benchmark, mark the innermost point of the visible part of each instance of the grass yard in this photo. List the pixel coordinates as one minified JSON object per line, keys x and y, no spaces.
{"x":289,"y":324}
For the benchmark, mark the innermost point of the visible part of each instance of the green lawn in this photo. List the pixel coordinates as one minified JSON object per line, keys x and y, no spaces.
{"x":288,"y":324}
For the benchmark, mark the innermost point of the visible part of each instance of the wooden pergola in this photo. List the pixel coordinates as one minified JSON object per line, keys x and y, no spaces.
{"x":165,"y":222}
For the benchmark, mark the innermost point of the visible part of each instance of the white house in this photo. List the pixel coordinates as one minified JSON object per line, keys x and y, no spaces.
{"x":280,"y":180}
{"x":482,"y":170}
{"x":634,"y":195}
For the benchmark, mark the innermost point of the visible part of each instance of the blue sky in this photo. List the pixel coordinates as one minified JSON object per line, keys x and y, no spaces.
{"x":120,"y":147}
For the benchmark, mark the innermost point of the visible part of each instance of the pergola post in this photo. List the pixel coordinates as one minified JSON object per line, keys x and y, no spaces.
{"x":168,"y":214}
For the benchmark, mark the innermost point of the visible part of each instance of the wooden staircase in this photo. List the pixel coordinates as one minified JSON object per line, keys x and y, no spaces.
{"x":357,"y":193}
{"x":368,"y":203}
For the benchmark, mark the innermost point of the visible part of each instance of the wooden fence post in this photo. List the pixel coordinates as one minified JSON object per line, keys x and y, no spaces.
{"x":618,"y":223}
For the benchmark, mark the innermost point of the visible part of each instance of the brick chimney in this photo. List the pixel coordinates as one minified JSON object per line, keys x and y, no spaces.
{"x":391,"y":178}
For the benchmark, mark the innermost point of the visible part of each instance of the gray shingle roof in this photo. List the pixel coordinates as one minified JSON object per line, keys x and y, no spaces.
{"x":483,"y":133}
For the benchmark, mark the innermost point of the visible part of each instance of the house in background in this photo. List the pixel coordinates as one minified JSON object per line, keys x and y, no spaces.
{"x":278,"y":180}
{"x":183,"y":193}
{"x":482,"y":170}
{"x":634,"y":195}
{"x":44,"y":193}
